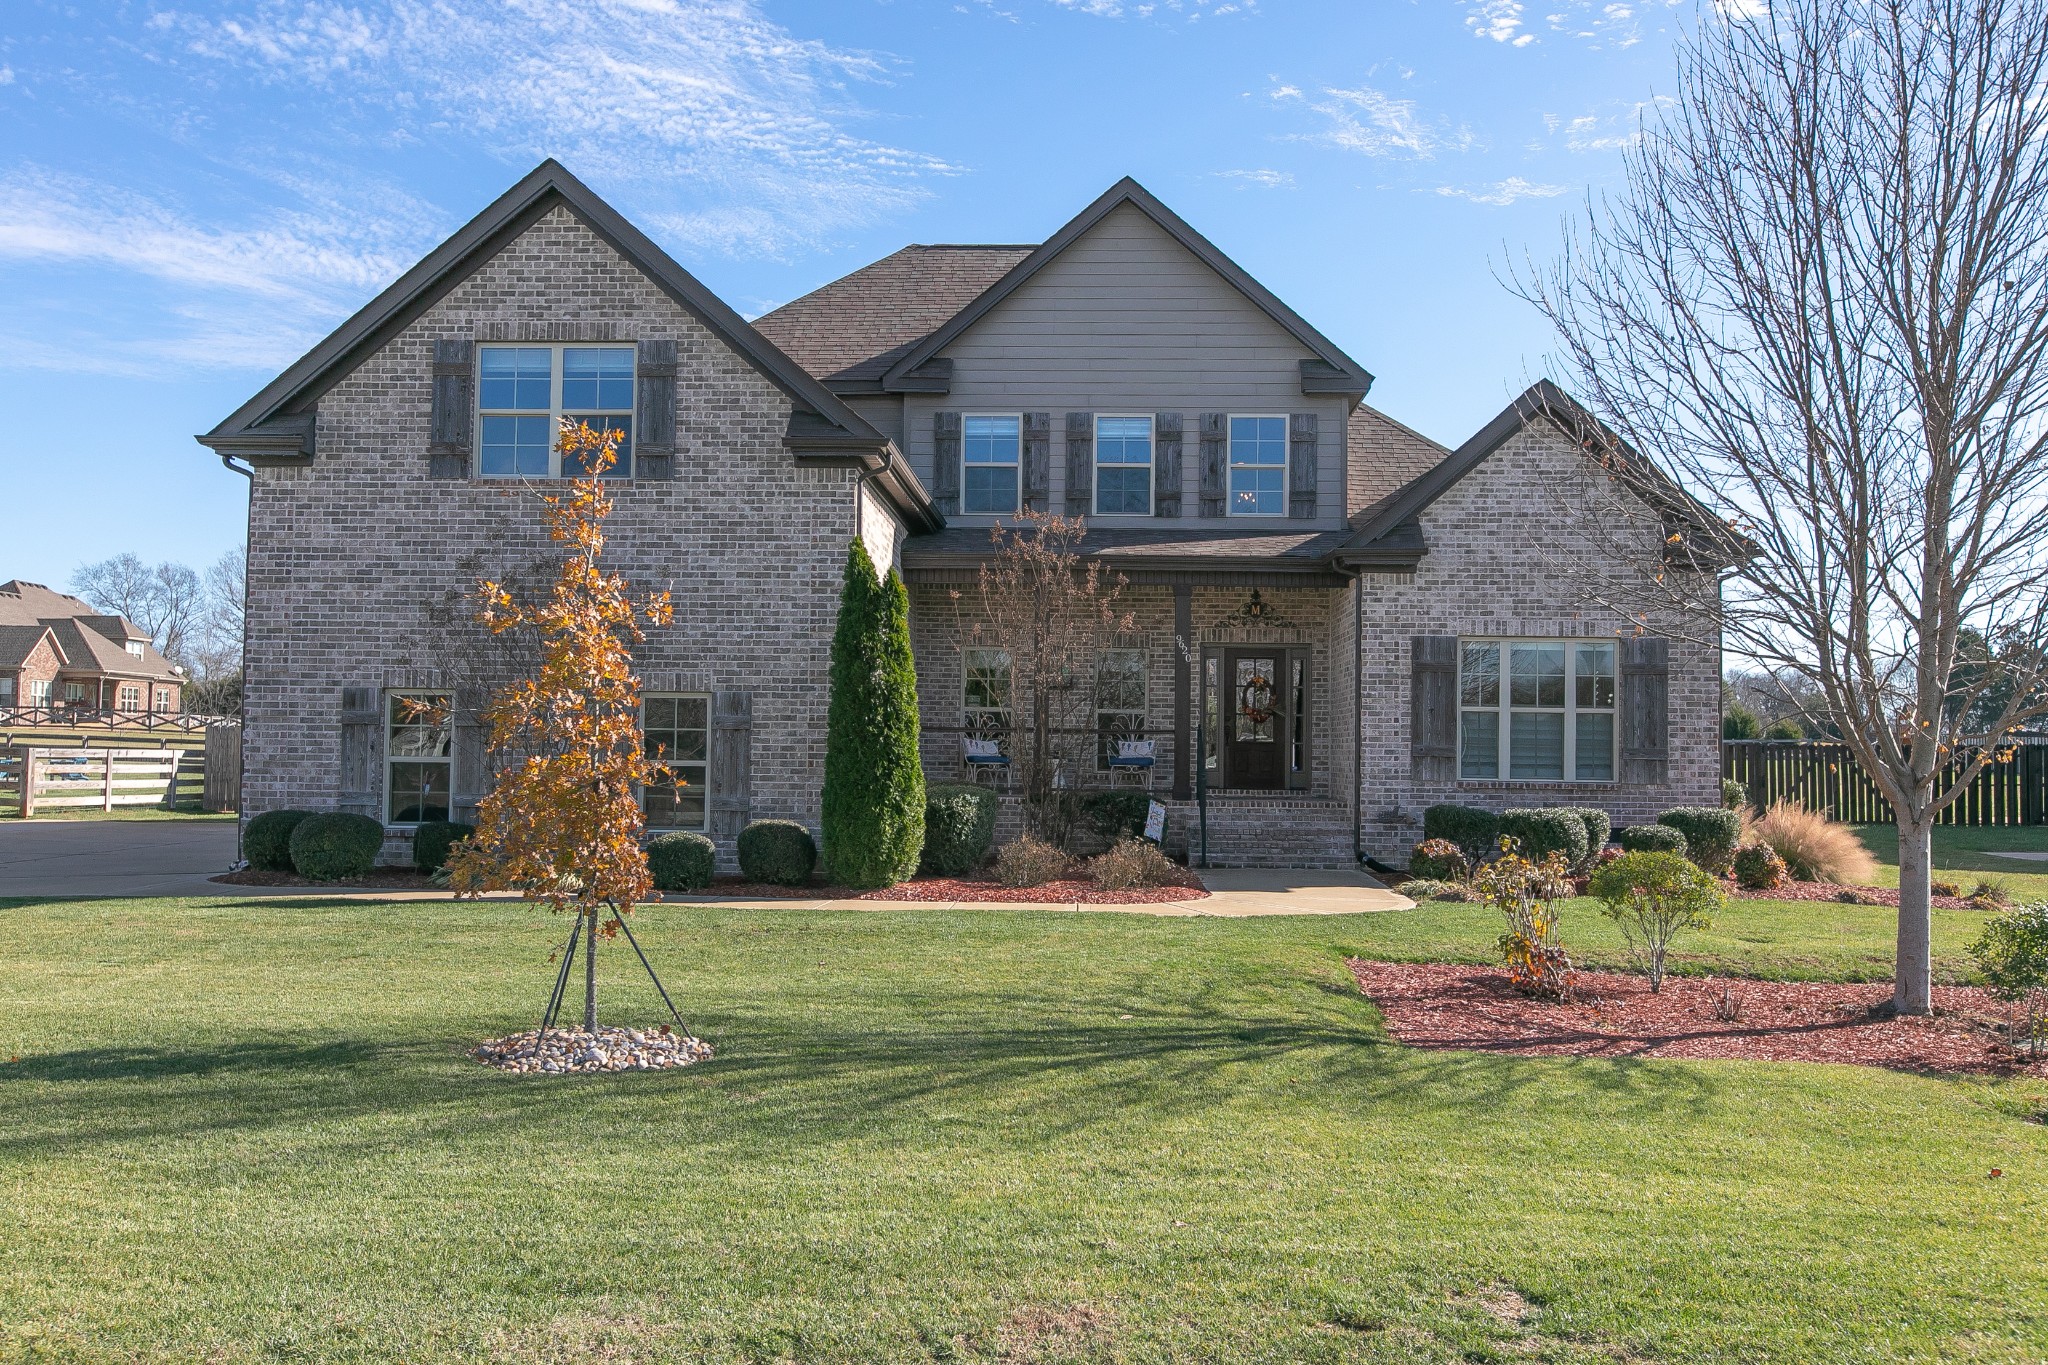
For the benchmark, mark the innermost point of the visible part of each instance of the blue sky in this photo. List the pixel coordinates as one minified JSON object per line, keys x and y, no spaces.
{"x":192,"y":194}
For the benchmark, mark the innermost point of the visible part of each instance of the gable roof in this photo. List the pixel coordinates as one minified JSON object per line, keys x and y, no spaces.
{"x":278,"y":420}
{"x":85,"y":638}
{"x":18,"y":642}
{"x":850,"y":331}
{"x":1331,"y":371}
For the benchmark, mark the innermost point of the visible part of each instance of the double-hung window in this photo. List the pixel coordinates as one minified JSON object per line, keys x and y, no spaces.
{"x":1119,"y":700}
{"x":134,"y":648}
{"x":985,"y":693}
{"x":524,"y":393}
{"x":38,"y":691}
{"x":989,"y":447}
{"x":7,"y":690}
{"x":1536,"y":710}
{"x":1258,"y":467}
{"x":129,"y":698}
{"x":677,"y":734}
{"x":1123,"y":466}
{"x":163,"y":699}
{"x":419,"y":756}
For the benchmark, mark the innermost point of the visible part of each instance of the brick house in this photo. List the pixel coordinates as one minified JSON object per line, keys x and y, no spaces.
{"x":1357,"y":621}
{"x":58,"y":653}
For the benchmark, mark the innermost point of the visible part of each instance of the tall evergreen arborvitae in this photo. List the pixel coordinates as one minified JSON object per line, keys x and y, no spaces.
{"x":874,"y":782}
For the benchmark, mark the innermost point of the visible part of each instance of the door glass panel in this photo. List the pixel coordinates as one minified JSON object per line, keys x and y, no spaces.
{"x":1256,"y":701}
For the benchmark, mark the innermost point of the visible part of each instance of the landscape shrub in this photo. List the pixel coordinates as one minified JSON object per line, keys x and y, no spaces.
{"x":1815,"y":848}
{"x":1027,"y":861}
{"x":1116,"y":814}
{"x":1651,"y":839}
{"x":1711,"y":833}
{"x":1470,"y":828}
{"x":873,"y":799}
{"x":682,"y":861}
{"x":780,"y":852}
{"x":1652,"y":896}
{"x":2012,"y":952}
{"x":1758,"y":867}
{"x":1429,"y":889}
{"x":1939,"y":887}
{"x":1547,"y":830}
{"x":1439,"y":860}
{"x":1526,"y":893}
{"x":333,"y":847}
{"x":1599,"y":826}
{"x":959,"y":827}
{"x":1734,"y":795}
{"x":1990,"y":891}
{"x":1132,"y":863}
{"x":267,"y":842}
{"x":432,"y":841}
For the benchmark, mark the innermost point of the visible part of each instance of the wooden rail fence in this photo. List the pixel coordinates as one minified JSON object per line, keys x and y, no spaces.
{"x":2011,"y":790}
{"x":194,"y":769}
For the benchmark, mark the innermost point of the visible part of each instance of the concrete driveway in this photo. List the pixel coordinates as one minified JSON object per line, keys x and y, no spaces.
{"x":43,"y":858}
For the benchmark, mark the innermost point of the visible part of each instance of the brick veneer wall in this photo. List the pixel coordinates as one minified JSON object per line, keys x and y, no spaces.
{"x":40,"y":666}
{"x":1509,"y":554}
{"x":350,"y":556}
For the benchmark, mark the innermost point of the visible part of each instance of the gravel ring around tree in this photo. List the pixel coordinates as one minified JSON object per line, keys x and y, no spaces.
{"x":568,"y":1052}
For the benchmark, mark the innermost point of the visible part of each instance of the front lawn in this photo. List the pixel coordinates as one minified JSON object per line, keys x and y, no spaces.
{"x":1960,"y":855}
{"x":244,"y":1130}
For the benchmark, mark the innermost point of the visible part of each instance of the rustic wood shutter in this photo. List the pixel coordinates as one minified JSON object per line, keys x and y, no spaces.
{"x":448,"y":442}
{"x":654,"y":433}
{"x":471,"y":777}
{"x":1037,"y":461}
{"x":1215,"y":461}
{"x":1645,"y":681}
{"x":946,"y":461}
{"x":1166,"y":465}
{"x":732,"y":763}
{"x":1080,"y":463}
{"x":1433,"y":715}
{"x":360,"y":794}
{"x":1301,"y":465}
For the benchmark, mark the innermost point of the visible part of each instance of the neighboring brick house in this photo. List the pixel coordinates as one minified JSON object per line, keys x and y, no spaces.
{"x":1360,"y":579}
{"x":59,"y":653}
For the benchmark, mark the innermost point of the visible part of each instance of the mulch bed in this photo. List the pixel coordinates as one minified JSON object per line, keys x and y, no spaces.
{"x":1828,"y":891}
{"x":940,"y":889}
{"x":1440,"y":1006}
{"x":377,"y":879}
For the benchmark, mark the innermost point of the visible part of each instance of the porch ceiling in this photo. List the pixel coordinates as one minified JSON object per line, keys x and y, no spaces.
{"x":1300,"y":559}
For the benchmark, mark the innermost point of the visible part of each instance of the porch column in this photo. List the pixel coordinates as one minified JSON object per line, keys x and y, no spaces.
{"x":1184,"y":756}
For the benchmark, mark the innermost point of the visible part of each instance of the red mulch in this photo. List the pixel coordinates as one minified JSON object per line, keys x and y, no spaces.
{"x":1440,"y":1005}
{"x":958,"y":889}
{"x":1828,"y":891}
{"x":379,"y":878}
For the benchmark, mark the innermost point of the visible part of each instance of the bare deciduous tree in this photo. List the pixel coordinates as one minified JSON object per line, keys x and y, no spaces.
{"x":166,"y":600}
{"x":1821,"y":302}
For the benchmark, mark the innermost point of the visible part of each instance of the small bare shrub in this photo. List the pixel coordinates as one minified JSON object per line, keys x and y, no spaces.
{"x":1030,"y":862}
{"x":1728,"y":1004}
{"x":1815,"y":848}
{"x":1941,"y":888}
{"x":1131,"y":864}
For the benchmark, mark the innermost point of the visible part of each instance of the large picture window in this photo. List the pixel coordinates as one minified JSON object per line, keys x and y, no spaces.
{"x":1119,"y":700}
{"x":985,"y":694}
{"x":1123,"y":466}
{"x":419,"y":756}
{"x":525,"y":392}
{"x":677,"y":730}
{"x":989,"y":449}
{"x":1258,"y":466}
{"x":1536,"y":710}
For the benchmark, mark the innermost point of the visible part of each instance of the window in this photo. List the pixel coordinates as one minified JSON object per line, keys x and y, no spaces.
{"x":74,"y":694}
{"x":419,"y":756}
{"x":524,"y":393}
{"x":134,"y":648}
{"x":1536,"y":710}
{"x":988,"y":450}
{"x":985,"y":688}
{"x":163,"y":699}
{"x":1258,"y":466}
{"x":677,"y":736}
{"x":1119,"y":700}
{"x":1123,"y":466}
{"x":7,"y":690}
{"x":38,"y":691}
{"x":130,"y":697}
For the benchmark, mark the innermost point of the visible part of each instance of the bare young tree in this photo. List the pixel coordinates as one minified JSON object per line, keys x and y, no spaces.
{"x":166,"y":600}
{"x":1821,"y":303}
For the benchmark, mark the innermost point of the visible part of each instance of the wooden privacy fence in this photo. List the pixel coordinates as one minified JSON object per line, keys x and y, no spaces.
{"x":1827,"y":777}
{"x":42,"y":780}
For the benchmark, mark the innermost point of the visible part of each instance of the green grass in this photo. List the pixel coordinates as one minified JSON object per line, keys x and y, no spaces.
{"x":183,"y":814}
{"x":246,"y":1130}
{"x":1960,"y":856}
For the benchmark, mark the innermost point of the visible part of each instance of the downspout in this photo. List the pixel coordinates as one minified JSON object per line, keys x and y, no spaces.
{"x":1358,"y":717}
{"x":242,"y":749}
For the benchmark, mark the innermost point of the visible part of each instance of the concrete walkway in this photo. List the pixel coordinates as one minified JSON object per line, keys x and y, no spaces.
{"x":2028,"y":857}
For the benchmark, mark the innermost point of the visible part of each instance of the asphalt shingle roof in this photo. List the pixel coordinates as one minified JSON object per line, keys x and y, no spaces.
{"x":90,"y":639}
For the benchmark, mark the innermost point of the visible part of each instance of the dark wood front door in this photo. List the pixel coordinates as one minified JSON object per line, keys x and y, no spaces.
{"x":1254,"y":719}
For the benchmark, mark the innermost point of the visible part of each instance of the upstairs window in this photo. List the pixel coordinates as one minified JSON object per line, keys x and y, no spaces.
{"x":525,"y":392}
{"x":988,"y":453}
{"x":134,"y":648}
{"x":1536,"y":710}
{"x":1258,"y":466}
{"x":1123,"y":466}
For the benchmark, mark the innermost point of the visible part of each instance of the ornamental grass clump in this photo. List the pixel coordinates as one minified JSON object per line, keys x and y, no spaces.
{"x":1651,"y":897}
{"x":1815,"y":848}
{"x":1527,"y":893}
{"x":1133,"y":864}
{"x":2012,"y":952}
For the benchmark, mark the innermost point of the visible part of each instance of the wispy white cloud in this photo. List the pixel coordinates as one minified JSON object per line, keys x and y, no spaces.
{"x":1500,"y":20}
{"x":1502,"y":193}
{"x":6,"y":75}
{"x":1740,"y":10}
{"x":1606,"y":132}
{"x":1612,"y":23}
{"x":1262,"y":179}
{"x":1190,"y":10}
{"x":1374,"y":123}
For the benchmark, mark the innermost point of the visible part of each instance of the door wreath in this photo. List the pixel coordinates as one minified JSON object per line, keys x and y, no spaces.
{"x":1255,"y":699}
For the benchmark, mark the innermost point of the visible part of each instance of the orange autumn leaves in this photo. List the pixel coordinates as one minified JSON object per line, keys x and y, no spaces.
{"x":562,"y":825}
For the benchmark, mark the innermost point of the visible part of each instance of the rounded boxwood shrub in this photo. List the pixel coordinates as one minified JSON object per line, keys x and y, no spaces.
{"x":432,"y":842}
{"x":1546,"y":830}
{"x":334,"y":847}
{"x":1599,"y":826}
{"x":1651,"y":839}
{"x":1734,"y":795}
{"x":1710,"y":834}
{"x":959,"y":827}
{"x":781,"y":852}
{"x":681,"y":861}
{"x":1470,"y":828}
{"x":267,"y":842}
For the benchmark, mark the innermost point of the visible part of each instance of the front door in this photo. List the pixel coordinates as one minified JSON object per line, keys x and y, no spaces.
{"x":1254,"y":720}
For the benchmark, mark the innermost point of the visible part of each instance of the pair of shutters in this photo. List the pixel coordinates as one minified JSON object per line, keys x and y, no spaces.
{"x":452,"y":424}
{"x":1644,"y":673}
{"x":730,"y":770}
{"x":1168,"y":445}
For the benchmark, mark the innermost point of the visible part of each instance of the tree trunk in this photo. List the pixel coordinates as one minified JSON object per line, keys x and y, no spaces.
{"x":1913,"y":978}
{"x":590,"y":973}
